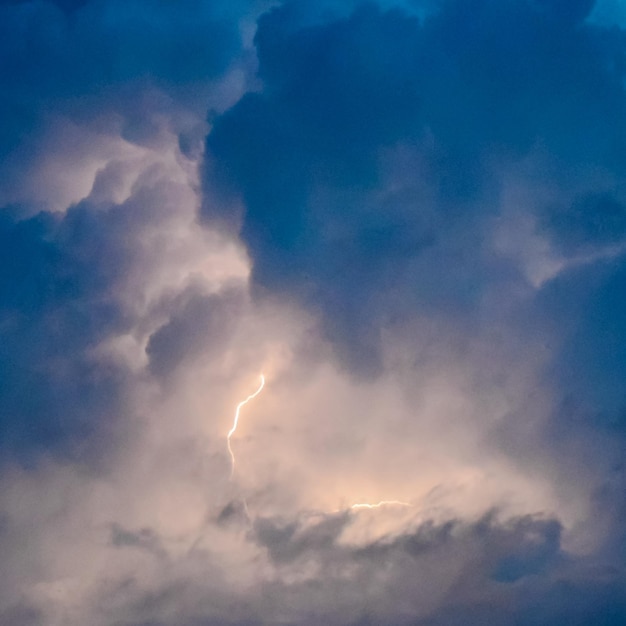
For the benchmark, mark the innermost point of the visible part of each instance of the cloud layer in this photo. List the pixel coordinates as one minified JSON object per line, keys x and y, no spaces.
{"x":409,"y":216}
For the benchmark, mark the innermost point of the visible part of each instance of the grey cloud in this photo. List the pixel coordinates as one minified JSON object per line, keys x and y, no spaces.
{"x":438,"y":573}
{"x":142,"y":539}
{"x":22,"y":615}
{"x":508,"y":551}
{"x":501,"y":571}
{"x":288,"y":541}
{"x":200,"y":326}
{"x":233,"y":512}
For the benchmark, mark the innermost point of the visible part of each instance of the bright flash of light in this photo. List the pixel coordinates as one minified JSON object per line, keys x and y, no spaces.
{"x":231,"y":432}
{"x":379,"y":504}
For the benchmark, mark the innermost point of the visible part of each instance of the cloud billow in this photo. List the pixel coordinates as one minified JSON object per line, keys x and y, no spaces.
{"x":54,"y":304}
{"x":372,"y":174}
{"x":409,"y":217}
{"x":108,"y":67}
{"x":373,"y":159}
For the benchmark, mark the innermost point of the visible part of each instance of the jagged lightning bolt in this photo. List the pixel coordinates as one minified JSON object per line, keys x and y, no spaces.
{"x":231,"y":432}
{"x":379,"y":504}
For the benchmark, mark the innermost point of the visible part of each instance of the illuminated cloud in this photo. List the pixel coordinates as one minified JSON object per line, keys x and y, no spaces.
{"x":409,"y":216}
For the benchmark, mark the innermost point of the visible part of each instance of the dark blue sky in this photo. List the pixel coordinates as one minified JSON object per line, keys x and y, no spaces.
{"x":410,"y":215}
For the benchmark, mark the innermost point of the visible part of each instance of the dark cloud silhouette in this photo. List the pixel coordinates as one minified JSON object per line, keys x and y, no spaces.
{"x":331,"y":218}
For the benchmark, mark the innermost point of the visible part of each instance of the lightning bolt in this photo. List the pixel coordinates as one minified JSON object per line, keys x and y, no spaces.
{"x":231,"y":432}
{"x":379,"y":504}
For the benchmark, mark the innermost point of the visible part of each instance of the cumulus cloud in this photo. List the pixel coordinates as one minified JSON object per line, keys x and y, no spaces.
{"x":373,"y":161}
{"x":409,"y":216}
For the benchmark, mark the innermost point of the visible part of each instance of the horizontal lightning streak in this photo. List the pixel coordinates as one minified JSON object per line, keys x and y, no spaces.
{"x":231,"y":432}
{"x":379,"y":504}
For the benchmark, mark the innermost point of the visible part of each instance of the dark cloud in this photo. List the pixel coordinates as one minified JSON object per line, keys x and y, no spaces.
{"x":98,"y":45}
{"x":495,"y":572}
{"x":438,"y":573}
{"x":144,"y":539}
{"x":66,"y":5}
{"x":591,"y":223}
{"x":508,"y":551}
{"x":233,"y":513}
{"x":201,"y":326}
{"x":22,"y":615}
{"x":334,"y":215}
{"x":56,"y":302}
{"x":288,"y":541}
{"x":588,"y":305}
{"x":62,"y":283}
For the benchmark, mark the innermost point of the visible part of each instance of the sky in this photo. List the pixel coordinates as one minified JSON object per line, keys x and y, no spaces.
{"x":312,"y":312}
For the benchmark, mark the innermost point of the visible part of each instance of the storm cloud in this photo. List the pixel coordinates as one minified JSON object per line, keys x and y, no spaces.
{"x":376,"y":158}
{"x":409,"y":216}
